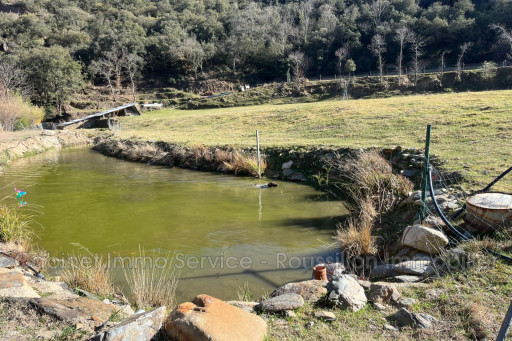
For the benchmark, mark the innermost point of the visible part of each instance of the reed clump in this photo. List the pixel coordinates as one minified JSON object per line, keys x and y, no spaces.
{"x":151,"y":281}
{"x":88,"y":272}
{"x":371,"y":189}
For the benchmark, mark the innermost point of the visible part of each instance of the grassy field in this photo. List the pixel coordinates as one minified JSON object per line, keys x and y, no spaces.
{"x":470,"y":130}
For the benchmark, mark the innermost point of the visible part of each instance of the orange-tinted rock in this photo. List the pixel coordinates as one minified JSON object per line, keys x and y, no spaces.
{"x":11,"y":280}
{"x":208,"y":318}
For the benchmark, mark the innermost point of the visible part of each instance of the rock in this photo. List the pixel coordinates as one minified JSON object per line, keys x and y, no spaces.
{"x":297,"y":177}
{"x":208,"y":318}
{"x":384,"y":270}
{"x":139,"y":327}
{"x":310,"y":324}
{"x":406,"y":302}
{"x":365,"y":284}
{"x":389,"y":327}
{"x":48,"y":133}
{"x":422,"y":256}
{"x":287,"y":165}
{"x":288,"y":172}
{"x":76,"y":310}
{"x":415,"y":320}
{"x":7,"y":262}
{"x":311,"y":291}
{"x":406,"y":279}
{"x":380,"y":307}
{"x":325,"y":315}
{"x":386,"y":294}
{"x":415,"y":268}
{"x":424,"y":238}
{"x":334,"y":270}
{"x":282,"y":302}
{"x":345,"y":291}
{"x":291,"y":313}
{"x":249,"y":307}
{"x":10,"y":280}
{"x":433,"y":293}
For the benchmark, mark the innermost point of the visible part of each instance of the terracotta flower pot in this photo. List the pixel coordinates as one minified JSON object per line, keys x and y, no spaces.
{"x":320,"y":272}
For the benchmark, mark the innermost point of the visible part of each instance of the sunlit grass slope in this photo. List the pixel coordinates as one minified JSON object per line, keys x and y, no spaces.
{"x":472,"y":130}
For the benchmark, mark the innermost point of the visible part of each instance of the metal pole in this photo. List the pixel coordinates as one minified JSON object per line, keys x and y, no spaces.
{"x":259,"y":156}
{"x":426,"y":165}
{"x":502,"y":335}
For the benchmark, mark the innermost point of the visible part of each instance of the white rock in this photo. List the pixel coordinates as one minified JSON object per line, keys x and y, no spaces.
{"x":424,"y":238}
{"x":287,"y":165}
{"x":346,"y":291}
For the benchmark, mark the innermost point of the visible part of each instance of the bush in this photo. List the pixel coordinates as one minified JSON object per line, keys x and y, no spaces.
{"x":17,"y":113}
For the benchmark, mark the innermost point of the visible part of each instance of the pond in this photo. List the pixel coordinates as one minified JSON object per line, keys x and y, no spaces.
{"x":223,"y":231}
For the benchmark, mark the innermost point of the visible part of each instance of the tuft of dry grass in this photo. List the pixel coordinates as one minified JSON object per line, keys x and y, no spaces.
{"x":372,"y":189}
{"x":149,"y":283}
{"x":14,"y":227}
{"x":88,"y":272}
{"x":244,"y":164}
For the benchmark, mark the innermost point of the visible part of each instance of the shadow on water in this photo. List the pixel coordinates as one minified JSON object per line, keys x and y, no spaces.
{"x":319,"y":223}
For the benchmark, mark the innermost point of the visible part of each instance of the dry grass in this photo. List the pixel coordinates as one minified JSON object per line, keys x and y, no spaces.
{"x":150,"y":284}
{"x":17,"y":113}
{"x":372,"y":189}
{"x":244,"y":164}
{"x":14,"y":227}
{"x":18,"y":321}
{"x":88,"y":272}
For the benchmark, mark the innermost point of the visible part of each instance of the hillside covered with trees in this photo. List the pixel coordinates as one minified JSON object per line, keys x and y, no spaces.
{"x":50,"y":48}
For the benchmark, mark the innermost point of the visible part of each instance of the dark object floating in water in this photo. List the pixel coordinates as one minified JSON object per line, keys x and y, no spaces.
{"x":270,"y":184}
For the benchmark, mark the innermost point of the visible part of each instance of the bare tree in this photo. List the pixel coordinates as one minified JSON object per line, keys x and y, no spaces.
{"x":132,"y":64}
{"x":106,"y":69}
{"x":417,"y":45}
{"x":505,"y":35}
{"x":378,"y":48}
{"x":341,"y":54}
{"x":460,"y":59}
{"x":442,"y":65}
{"x":403,"y":36}
{"x":299,"y":64}
{"x":13,"y":79}
{"x":377,"y":9}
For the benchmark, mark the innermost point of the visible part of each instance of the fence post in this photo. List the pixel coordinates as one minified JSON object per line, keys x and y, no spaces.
{"x":259,"y":155}
{"x":426,"y":165}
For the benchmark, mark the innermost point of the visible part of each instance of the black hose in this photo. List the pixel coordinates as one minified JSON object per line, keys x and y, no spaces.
{"x":438,"y":210}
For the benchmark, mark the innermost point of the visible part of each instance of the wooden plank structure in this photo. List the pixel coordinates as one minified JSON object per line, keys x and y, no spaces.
{"x":92,"y":121}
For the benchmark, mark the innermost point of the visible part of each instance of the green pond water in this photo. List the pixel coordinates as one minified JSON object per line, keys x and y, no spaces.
{"x":223,"y":230}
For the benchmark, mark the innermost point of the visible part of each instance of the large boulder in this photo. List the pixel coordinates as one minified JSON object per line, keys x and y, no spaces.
{"x":345,"y":290}
{"x":208,"y":318}
{"x":424,"y":238}
{"x":312,"y":291}
{"x":138,"y":327}
{"x":283,"y":302}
